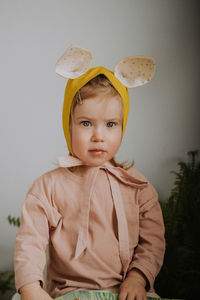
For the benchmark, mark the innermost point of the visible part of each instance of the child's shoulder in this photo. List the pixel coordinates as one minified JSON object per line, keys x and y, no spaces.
{"x":47,"y":179}
{"x":51,"y":174}
{"x":137,"y":174}
{"x":149,"y":191}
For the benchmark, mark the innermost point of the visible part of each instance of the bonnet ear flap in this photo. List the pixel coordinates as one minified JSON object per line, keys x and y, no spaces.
{"x":134,"y":71}
{"x":74,"y":62}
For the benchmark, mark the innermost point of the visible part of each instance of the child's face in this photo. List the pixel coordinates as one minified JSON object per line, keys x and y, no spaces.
{"x":96,"y":129}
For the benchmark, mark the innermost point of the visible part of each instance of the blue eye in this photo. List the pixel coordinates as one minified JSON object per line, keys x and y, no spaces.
{"x":111,"y":124}
{"x":86,"y":123}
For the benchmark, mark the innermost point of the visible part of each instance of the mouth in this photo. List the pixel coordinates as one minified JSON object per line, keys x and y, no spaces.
{"x":97,"y":151}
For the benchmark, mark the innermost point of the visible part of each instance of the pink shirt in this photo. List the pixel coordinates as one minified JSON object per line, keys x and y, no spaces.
{"x":98,"y":227}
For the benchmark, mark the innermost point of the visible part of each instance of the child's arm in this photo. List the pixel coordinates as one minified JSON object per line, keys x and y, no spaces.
{"x":31,"y":241}
{"x":37,"y":219}
{"x":33,"y":291}
{"x":149,"y":253}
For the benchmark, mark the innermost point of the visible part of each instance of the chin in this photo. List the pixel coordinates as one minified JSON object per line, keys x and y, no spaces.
{"x":96,"y":163}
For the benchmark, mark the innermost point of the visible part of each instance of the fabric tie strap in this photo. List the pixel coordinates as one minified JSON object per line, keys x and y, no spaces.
{"x":112,"y":173}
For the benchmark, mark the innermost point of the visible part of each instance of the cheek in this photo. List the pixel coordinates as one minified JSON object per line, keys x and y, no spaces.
{"x":79,"y":139}
{"x":115,"y":141}
{"x":74,"y":139}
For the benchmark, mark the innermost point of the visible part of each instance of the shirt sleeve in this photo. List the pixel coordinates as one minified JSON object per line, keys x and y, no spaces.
{"x":37,"y":218}
{"x":149,"y":253}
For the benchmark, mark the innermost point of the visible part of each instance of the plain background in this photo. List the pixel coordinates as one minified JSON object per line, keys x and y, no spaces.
{"x":164,"y":116}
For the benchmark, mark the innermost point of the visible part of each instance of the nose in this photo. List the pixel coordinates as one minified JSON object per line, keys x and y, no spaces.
{"x":97,"y":134}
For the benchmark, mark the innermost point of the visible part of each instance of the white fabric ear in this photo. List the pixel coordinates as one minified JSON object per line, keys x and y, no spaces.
{"x":74,"y":62}
{"x":134,"y":71}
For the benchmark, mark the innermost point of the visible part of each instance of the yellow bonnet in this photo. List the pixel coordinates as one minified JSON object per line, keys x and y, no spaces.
{"x":73,"y":85}
{"x":74,"y":65}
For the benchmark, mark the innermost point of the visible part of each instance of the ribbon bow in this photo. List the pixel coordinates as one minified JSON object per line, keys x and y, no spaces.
{"x":112,"y":173}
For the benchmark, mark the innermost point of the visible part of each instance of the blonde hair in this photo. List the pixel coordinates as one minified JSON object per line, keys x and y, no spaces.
{"x":99,"y":84}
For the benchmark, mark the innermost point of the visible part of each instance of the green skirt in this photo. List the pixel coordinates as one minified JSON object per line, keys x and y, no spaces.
{"x":94,"y":295}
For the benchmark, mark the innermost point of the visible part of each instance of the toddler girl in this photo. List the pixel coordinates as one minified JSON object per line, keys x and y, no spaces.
{"x":101,"y":220}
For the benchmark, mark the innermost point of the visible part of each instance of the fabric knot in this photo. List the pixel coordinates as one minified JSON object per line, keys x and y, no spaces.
{"x":113,"y":173}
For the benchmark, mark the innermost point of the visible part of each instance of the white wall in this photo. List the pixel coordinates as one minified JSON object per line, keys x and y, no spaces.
{"x":164,"y":116}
